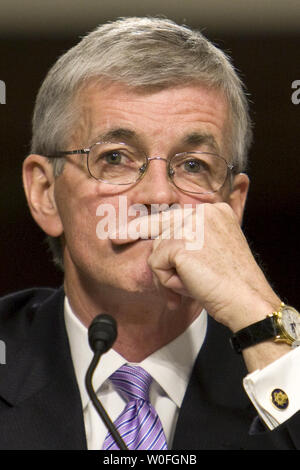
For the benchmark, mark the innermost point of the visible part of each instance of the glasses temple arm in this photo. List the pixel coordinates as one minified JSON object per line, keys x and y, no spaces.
{"x":68,"y":152}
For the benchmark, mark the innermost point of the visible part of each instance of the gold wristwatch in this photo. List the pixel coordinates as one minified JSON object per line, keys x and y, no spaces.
{"x":283,"y":325}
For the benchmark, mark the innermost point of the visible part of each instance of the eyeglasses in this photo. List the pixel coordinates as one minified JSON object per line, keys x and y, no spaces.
{"x":121,"y":164}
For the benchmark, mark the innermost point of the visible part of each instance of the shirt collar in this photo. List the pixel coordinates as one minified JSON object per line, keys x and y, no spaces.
{"x":170,"y":366}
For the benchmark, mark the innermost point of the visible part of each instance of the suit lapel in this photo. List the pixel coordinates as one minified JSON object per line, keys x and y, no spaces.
{"x":39,"y":384}
{"x":215,"y":410}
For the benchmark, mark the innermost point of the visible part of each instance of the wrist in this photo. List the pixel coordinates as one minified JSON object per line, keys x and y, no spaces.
{"x":261,"y":355}
{"x":253,"y":310}
{"x":282,"y":325}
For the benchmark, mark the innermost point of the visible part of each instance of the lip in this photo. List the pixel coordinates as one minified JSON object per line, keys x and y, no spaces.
{"x":122,"y":246}
{"x":129,"y":241}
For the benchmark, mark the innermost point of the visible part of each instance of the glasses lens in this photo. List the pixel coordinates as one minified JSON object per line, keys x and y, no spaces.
{"x":115,"y":163}
{"x":198,"y":172}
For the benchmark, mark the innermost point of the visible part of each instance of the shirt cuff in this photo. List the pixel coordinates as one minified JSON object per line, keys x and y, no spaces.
{"x":274,"y":390}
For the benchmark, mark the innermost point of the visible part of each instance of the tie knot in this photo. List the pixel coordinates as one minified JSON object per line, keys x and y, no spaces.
{"x":133,"y":382}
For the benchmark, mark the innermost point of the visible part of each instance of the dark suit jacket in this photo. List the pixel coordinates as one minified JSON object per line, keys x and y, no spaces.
{"x":40,"y":405}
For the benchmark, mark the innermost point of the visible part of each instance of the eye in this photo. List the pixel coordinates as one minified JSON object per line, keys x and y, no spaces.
{"x":194,"y":166}
{"x":113,"y":158}
{"x":142,"y":169}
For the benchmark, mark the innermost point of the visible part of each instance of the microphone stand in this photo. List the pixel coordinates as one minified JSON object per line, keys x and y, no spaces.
{"x":101,"y":411}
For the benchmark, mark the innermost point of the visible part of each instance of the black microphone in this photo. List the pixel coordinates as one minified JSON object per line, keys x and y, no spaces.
{"x":102,"y":334}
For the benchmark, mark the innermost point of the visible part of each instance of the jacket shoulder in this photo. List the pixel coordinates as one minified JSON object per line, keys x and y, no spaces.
{"x":19,"y":306}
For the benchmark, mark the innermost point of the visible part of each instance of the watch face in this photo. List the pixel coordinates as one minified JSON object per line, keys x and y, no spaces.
{"x":291,"y":322}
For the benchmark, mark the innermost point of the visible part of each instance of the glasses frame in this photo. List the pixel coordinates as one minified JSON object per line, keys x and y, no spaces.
{"x":86,"y":151}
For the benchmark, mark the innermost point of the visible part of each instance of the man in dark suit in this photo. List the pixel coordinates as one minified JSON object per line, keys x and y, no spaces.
{"x":140,"y":138}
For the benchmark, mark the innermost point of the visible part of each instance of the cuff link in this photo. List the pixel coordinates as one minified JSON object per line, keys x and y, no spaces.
{"x":279,"y":399}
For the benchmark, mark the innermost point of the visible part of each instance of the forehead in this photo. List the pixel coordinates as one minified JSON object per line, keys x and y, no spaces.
{"x":155,"y":115}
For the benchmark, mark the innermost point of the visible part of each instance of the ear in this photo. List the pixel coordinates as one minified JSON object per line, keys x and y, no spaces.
{"x":39,"y":183}
{"x":238,"y":195}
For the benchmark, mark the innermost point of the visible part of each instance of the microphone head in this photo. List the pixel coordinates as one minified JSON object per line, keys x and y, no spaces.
{"x":102,"y":333}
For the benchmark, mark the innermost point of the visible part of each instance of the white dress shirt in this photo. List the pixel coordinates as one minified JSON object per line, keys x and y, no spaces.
{"x":171,"y":367}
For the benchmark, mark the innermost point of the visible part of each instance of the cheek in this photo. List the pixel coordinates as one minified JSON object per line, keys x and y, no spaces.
{"x":77,"y":206}
{"x":78,"y":197}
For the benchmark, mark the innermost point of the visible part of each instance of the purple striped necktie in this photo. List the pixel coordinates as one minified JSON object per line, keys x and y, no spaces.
{"x":138,"y":424}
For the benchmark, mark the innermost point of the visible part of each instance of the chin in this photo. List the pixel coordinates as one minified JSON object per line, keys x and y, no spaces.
{"x":134,"y":261}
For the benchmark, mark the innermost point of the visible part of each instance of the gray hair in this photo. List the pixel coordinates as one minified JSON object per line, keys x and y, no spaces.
{"x":142,"y":53}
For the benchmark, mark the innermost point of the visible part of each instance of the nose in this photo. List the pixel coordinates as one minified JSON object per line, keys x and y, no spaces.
{"x":155,"y":187}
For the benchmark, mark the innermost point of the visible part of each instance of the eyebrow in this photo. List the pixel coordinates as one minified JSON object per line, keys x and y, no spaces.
{"x":197,"y":138}
{"x":194,"y":138}
{"x":116,"y":134}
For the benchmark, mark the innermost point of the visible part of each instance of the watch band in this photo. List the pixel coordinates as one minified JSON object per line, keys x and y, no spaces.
{"x":253,"y":334}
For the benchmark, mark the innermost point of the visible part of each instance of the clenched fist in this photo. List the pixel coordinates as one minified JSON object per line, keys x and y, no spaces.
{"x":220,"y":272}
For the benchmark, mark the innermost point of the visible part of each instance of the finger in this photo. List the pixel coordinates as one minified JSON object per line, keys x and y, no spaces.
{"x":151,"y":226}
{"x":173,"y":299}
